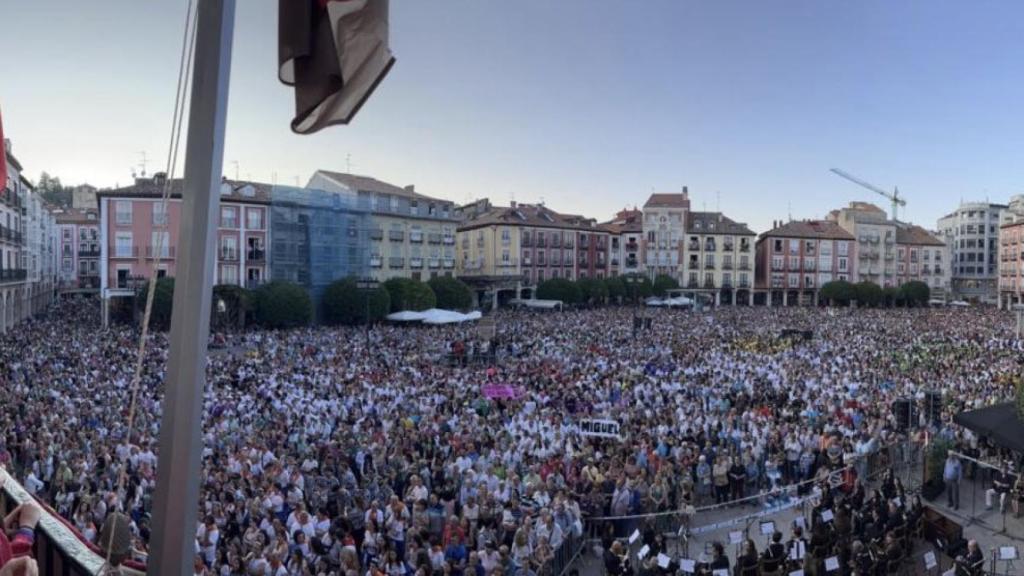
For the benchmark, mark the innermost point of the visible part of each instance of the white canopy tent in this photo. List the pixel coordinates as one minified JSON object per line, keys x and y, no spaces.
{"x":438,"y":316}
{"x":406,"y":316}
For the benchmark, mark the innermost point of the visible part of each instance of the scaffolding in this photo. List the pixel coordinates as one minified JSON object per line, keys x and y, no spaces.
{"x":318,"y":237}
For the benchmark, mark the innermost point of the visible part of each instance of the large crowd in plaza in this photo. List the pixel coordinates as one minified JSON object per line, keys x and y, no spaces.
{"x":327,"y":452}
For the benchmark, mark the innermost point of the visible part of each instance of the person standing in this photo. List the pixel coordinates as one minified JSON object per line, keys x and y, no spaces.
{"x":952,"y":473}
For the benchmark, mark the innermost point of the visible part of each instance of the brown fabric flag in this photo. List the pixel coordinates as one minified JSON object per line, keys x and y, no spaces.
{"x":335,"y":53}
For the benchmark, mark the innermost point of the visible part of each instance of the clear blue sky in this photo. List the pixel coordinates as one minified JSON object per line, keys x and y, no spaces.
{"x":589,"y":105}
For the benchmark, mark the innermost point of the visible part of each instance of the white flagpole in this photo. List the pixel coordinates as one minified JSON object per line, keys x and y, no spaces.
{"x":177,"y":488}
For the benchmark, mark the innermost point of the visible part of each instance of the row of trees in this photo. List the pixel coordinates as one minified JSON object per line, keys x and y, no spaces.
{"x":288,"y":305}
{"x":866,"y":293}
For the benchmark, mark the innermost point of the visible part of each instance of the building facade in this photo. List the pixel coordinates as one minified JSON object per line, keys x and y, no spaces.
{"x":795,"y":259}
{"x":410,"y":235}
{"x":923,"y":257}
{"x":78,"y":246}
{"x":625,"y":240}
{"x":875,"y":236}
{"x":664,"y":228}
{"x":27,"y":247}
{"x":972,"y":234}
{"x":1011,"y":253}
{"x":139,"y":236}
{"x":719,"y":258}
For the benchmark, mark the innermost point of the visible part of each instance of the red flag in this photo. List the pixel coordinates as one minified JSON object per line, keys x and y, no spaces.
{"x":3,"y":161}
{"x":334,"y":52}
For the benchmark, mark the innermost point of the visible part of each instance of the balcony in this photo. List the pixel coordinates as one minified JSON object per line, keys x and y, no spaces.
{"x":415,"y":262}
{"x":434,"y":263}
{"x":434,"y":238}
{"x":615,"y":261}
{"x":226,"y":255}
{"x":126,"y":252}
{"x":449,"y":239}
{"x":131,"y":282}
{"x":743,"y":266}
{"x":727,"y":247}
{"x":727,"y":265}
{"x":449,"y":263}
{"x":396,"y":235}
{"x":376,"y":234}
{"x":744,"y":247}
{"x":569,"y":244}
{"x":527,"y":261}
{"x":601,"y":264}
{"x":89,"y":253}
{"x":13,"y":275}
{"x":376,"y":261}
{"x":582,"y":263}
{"x":744,"y":284}
{"x":396,"y":262}
{"x":709,"y":265}
{"x":416,"y":237}
{"x":631,"y":262}
{"x":510,"y":263}
{"x":541,"y":262}
{"x":726,"y":285}
{"x":632,"y":246}
{"x":693,"y":247}
{"x":693,"y":284}
{"x":709,"y":284}
{"x":526,"y":242}
{"x":166,"y":252}
{"x":542,"y":243}
{"x":255,"y":255}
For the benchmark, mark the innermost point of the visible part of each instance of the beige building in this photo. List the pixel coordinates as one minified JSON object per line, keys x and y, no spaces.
{"x":412,"y":235}
{"x":719,"y":258}
{"x":875,"y":235}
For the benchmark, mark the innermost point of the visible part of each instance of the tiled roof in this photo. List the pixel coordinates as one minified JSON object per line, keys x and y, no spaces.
{"x":532,"y":215}
{"x":152,"y":187}
{"x":625,"y":221}
{"x":670,"y":200}
{"x":821,"y":229}
{"x":714,"y":222}
{"x":368,"y":184}
{"x":912,"y":234}
{"x":76,"y":216}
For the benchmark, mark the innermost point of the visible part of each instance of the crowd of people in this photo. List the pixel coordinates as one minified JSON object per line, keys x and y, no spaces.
{"x":330,"y":452}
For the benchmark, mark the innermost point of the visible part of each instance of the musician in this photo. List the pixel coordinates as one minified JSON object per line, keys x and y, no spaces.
{"x":915,"y":512}
{"x":861,"y":563}
{"x":719,"y":561}
{"x":1001,"y":484}
{"x":796,"y":548}
{"x":775,"y":553}
{"x":973,"y":563}
{"x":616,"y":560}
{"x":746,"y":562}
{"x":893,"y":551}
{"x":895,"y":520}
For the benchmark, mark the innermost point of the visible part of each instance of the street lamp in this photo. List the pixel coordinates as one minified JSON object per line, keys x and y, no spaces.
{"x":366,"y":285}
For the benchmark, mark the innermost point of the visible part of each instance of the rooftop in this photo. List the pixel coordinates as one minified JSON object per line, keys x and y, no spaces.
{"x":532,"y":215}
{"x":369,"y":184}
{"x":75,"y":216}
{"x":820,"y":229}
{"x":715,"y":222}
{"x":913,"y":234}
{"x":236,"y":190}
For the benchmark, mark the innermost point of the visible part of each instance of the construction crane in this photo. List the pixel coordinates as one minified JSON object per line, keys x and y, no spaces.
{"x":893,"y":197}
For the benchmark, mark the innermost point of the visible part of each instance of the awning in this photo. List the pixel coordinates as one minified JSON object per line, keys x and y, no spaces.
{"x":1000,"y":423}
{"x":438,"y":316}
{"x":406,"y":316}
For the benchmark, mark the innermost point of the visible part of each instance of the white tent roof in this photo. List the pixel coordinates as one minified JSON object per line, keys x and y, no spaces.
{"x":679,"y":301}
{"x":406,"y":316}
{"x":960,"y":303}
{"x":654,"y":301}
{"x":438,"y":316}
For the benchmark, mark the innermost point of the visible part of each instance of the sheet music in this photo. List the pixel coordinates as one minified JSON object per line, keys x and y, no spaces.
{"x":643,"y":552}
{"x":831,"y":564}
{"x":720,"y":572}
{"x":634,"y":536}
{"x":1007,"y":553}
{"x":688,"y":566}
{"x":798,"y":551}
{"x":767,"y":528}
{"x":663,"y":560}
{"x":796,"y":573}
{"x":735,"y":537}
{"x":827,"y":516}
{"x":929,"y":560}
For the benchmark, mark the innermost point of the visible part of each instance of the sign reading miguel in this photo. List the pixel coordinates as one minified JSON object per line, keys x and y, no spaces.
{"x":599,"y":428}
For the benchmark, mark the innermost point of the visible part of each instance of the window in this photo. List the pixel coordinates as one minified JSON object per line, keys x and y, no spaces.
{"x":794,"y":247}
{"x":159,"y":214}
{"x":67,"y":264}
{"x":254,"y":219}
{"x":794,"y":262}
{"x":842,"y":264}
{"x":228,"y":217}
{"x":228,"y":248}
{"x":123,"y":244}
{"x":161,"y":239}
{"x":778,"y":262}
{"x":229,"y":274}
{"x":506,"y":236}
{"x":123,"y":212}
{"x":794,"y":280}
{"x":844,"y":248}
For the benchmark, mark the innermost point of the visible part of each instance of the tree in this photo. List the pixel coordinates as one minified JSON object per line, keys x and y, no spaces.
{"x":451,"y":293}
{"x":559,"y":289}
{"x":916,"y":293}
{"x":237,"y":305}
{"x":409,"y":294}
{"x":592,"y":290}
{"x":282,"y":305}
{"x":345,"y":303}
{"x":50,"y":188}
{"x":615,"y":287}
{"x":637,"y":286}
{"x":869,"y":293}
{"x":891,"y":296}
{"x":663,"y":283}
{"x":163,"y":303}
{"x":838,"y":292}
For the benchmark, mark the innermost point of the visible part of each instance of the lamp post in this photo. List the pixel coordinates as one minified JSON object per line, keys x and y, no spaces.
{"x":366,"y":285}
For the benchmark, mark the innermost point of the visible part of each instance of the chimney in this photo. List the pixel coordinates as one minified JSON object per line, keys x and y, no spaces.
{"x":686,"y":192}
{"x":159,"y":178}
{"x":410,"y":188}
{"x":720,"y":217}
{"x":512,"y":204}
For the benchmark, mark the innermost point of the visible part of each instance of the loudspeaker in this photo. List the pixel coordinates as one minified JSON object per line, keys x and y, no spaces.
{"x":933,"y":407}
{"x":905,"y":411}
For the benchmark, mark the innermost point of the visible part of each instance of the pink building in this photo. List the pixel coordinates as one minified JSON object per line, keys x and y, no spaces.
{"x":795,"y":259}
{"x":78,"y":250}
{"x":138,"y":238}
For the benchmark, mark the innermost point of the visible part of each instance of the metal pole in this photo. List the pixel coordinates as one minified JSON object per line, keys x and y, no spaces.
{"x":177,"y":487}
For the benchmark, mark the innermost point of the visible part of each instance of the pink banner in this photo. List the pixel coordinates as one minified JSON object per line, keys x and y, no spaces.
{"x":502,"y":391}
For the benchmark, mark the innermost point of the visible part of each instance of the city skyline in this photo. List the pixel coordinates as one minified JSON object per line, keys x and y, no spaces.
{"x":749,"y":106}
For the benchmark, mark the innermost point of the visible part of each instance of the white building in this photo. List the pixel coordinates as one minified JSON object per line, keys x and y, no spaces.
{"x":972,"y":234}
{"x":876,"y":242}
